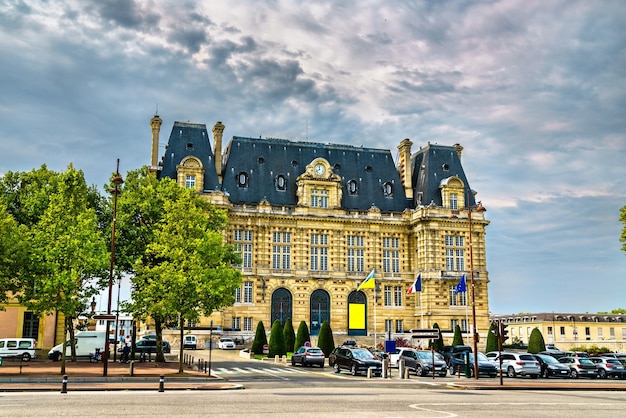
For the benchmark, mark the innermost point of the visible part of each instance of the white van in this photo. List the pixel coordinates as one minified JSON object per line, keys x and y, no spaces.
{"x":86,"y":344}
{"x":190,"y":341}
{"x":18,"y":347}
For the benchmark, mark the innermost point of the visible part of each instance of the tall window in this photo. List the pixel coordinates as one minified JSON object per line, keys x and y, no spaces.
{"x":455,"y":253}
{"x":247,"y":292}
{"x":190,"y":181}
{"x":399,"y":325}
{"x":281,"y":250}
{"x":356,"y":253}
{"x":30,"y":329}
{"x":319,"y":252}
{"x":454,"y":201}
{"x":392,"y":295}
{"x":464,"y":326}
{"x":457,"y":299}
{"x":236,"y":324}
{"x":243,"y":244}
{"x":238,"y":295}
{"x":388,"y":325}
{"x":319,"y":198}
{"x":453,"y":323}
{"x":391,"y":255}
{"x":247,"y":323}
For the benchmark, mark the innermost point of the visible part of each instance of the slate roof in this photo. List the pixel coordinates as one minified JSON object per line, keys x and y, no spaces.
{"x":263,"y":159}
{"x":190,"y":139}
{"x":430,"y":166}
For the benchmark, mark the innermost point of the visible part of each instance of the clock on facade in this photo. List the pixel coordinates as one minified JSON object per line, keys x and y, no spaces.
{"x":320,"y":169}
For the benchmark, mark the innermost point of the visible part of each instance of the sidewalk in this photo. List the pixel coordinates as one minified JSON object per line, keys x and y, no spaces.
{"x":45,"y":375}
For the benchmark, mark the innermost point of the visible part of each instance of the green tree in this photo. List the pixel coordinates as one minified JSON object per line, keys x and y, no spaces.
{"x":536,"y":342}
{"x":277,"y":340}
{"x":325,"y":340}
{"x":69,"y":255}
{"x":260,"y":339}
{"x":492,"y":340}
{"x":458,"y":337}
{"x":14,"y":253}
{"x":438,"y":343}
{"x":186,"y":271}
{"x":302,"y":336}
{"x":290,"y":336}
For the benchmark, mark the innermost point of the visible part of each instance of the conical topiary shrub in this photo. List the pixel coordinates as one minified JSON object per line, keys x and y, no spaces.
{"x":302,"y":336}
{"x":277,"y":340}
{"x":536,"y":343}
{"x":260,"y":339}
{"x":290,"y":336}
{"x":492,"y":340}
{"x":325,"y":340}
{"x":458,"y":336}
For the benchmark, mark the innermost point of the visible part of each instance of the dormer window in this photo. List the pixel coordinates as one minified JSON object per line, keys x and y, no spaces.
{"x":387,"y":189}
{"x":352,"y":187}
{"x":281,"y":182}
{"x":454,"y":201}
{"x":190,"y":182}
{"x":242,"y":179}
{"x":319,"y":198}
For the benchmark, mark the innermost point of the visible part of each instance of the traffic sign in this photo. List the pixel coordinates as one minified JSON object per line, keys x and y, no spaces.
{"x":432,"y":333}
{"x":104,"y":317}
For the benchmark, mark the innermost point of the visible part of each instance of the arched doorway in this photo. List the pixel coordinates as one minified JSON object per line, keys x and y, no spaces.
{"x":319,"y":310}
{"x":357,"y":313}
{"x":281,"y":305}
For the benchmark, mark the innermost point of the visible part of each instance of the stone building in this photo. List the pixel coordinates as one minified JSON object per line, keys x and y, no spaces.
{"x":311,"y":220}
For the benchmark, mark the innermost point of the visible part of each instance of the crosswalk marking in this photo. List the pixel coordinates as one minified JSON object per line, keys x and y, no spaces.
{"x":249,"y":370}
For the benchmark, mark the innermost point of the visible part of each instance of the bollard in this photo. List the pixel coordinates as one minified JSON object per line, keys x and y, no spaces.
{"x":162,"y":383}
{"x":369,"y":373}
{"x":64,"y":385}
{"x":401,"y":368}
{"x":406,"y":373}
{"x":131,"y":365}
{"x":276,"y":359}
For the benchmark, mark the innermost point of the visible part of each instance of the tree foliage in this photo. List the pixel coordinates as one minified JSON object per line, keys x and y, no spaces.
{"x":260,"y":339}
{"x":458,"y":336}
{"x":536,"y":342}
{"x":182,"y":267}
{"x":438,"y":343}
{"x":14,"y":253}
{"x":302,"y":336}
{"x":290,"y":335}
{"x":277,"y":340}
{"x":325,"y":340}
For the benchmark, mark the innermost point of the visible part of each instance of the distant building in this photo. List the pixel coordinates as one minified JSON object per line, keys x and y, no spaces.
{"x":311,"y":220}
{"x":566,"y":330}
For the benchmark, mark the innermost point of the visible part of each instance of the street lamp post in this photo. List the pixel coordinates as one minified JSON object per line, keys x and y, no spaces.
{"x":480,"y":208}
{"x":117,"y":181}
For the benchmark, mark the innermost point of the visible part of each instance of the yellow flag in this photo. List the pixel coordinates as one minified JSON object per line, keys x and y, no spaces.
{"x":369,"y":282}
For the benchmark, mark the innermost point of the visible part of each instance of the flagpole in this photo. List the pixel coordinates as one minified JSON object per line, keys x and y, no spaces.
{"x":375,"y":347}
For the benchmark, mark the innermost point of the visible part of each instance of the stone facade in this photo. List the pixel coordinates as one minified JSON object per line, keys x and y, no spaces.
{"x":312,"y":220}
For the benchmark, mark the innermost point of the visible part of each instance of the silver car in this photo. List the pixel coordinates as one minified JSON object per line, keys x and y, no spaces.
{"x":516,"y":364}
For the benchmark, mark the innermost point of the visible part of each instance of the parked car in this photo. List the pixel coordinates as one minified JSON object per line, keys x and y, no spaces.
{"x":551,"y":366}
{"x":421,"y":362}
{"x":556,"y":354}
{"x":450,"y":350}
{"x":575,"y":354}
{"x":485,"y":367}
{"x":308,"y":356}
{"x":226,"y":344}
{"x":190,"y":341}
{"x":580,"y":366}
{"x":356,"y":360}
{"x":516,"y":364}
{"x":23,"y":348}
{"x":146,"y":346}
{"x":609,"y":367}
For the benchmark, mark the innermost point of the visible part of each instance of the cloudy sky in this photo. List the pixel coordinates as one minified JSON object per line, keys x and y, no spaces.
{"x":535,"y":91}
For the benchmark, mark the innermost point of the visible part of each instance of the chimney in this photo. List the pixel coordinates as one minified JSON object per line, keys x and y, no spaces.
{"x":155,"y":123}
{"x":218,"y":130}
{"x":404,"y":168}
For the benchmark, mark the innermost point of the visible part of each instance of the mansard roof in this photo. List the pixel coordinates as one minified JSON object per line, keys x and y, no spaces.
{"x":430,"y":166}
{"x":190,"y":139}
{"x":263,"y":160}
